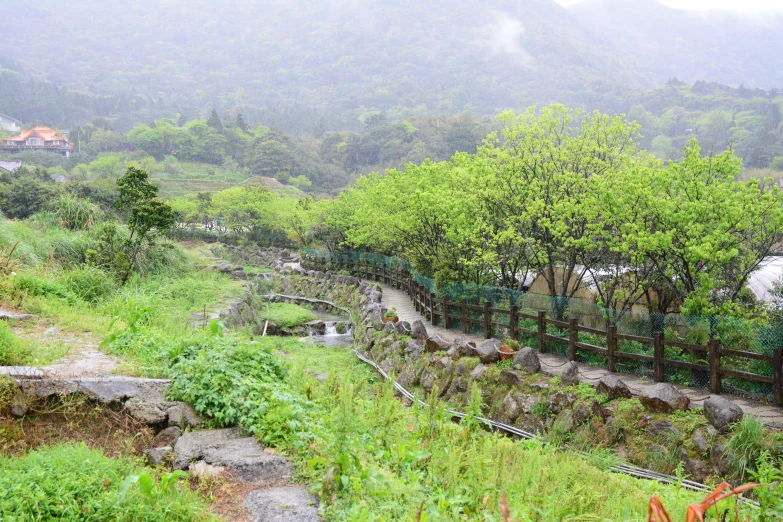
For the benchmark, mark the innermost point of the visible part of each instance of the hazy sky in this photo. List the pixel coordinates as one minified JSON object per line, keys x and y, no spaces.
{"x":738,"y":5}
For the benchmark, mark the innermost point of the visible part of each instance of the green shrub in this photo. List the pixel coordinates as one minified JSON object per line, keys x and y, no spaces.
{"x":88,"y":283}
{"x":240,"y":383}
{"x":32,"y":285}
{"x":75,"y":213}
{"x":74,"y":483}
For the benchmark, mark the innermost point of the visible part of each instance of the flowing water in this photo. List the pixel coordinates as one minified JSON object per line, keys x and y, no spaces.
{"x":331,"y":334}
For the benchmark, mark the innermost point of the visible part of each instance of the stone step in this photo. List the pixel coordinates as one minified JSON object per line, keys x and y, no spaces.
{"x":283,"y":504}
{"x":233,"y":450}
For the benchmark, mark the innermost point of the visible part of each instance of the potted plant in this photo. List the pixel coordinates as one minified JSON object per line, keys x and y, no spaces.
{"x":390,"y":316}
{"x":508,"y":348}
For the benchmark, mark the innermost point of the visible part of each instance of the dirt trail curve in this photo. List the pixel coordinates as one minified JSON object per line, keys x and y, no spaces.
{"x":770,"y":415}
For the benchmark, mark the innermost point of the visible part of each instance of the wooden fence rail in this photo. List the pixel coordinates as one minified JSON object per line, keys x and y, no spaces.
{"x":491,"y":321}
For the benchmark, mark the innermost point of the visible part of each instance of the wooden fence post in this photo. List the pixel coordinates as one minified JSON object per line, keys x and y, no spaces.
{"x":513,"y":322}
{"x":714,"y":346}
{"x":416,"y":295}
{"x":611,"y":347}
{"x":777,"y":372}
{"x":542,"y":331}
{"x":446,"y":319}
{"x":573,"y":338}
{"x":432,"y":307}
{"x":487,"y":320}
{"x":658,"y":357}
{"x":465,"y":322}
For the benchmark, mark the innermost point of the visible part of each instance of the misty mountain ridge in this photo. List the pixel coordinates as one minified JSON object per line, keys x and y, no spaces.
{"x":714,"y":46}
{"x":347,"y":58}
{"x":403,"y":57}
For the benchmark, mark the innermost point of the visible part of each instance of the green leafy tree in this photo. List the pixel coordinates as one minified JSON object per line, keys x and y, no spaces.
{"x":147,"y":216}
{"x":707,"y":232}
{"x":544,"y":167}
{"x":214,"y":121}
{"x":271,"y":155}
{"x":240,"y":122}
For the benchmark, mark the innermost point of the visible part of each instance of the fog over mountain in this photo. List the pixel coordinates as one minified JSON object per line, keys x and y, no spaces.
{"x":717,"y":46}
{"x":345,"y":58}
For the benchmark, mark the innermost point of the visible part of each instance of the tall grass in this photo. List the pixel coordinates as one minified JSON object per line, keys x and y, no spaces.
{"x":13,"y":351}
{"x":74,"y":483}
{"x":41,"y":241}
{"x":375,"y":459}
{"x":747,"y":443}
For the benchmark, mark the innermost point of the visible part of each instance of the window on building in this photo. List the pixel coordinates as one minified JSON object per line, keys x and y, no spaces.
{"x":34,"y":141}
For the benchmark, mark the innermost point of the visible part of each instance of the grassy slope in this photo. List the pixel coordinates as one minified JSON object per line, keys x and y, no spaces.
{"x":191,"y":178}
{"x":459,"y":471}
{"x":78,"y":299}
{"x":287,"y":315}
{"x":369,"y":456}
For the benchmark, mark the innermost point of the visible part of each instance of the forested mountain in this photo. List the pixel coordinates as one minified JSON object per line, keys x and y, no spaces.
{"x":712,"y":46}
{"x":337,"y":55}
{"x":321,"y":68}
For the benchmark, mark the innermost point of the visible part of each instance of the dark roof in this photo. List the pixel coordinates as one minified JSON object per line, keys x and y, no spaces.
{"x":10,"y":165}
{"x":10,"y":118}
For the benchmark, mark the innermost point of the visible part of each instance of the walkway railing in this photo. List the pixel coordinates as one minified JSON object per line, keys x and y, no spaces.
{"x":656,"y":357}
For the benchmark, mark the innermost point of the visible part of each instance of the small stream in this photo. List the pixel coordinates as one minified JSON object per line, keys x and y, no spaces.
{"x":336,"y":331}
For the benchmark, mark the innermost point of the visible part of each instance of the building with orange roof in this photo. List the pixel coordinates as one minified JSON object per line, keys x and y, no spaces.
{"x":39,"y":138}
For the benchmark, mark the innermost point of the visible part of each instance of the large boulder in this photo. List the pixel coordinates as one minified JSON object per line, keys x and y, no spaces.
{"x":167,"y":437}
{"x":559,"y":401}
{"x":663,"y":428}
{"x":436,"y":343}
{"x":463,"y":348}
{"x":569,"y":375}
{"x":150,"y":413}
{"x":157,"y":456}
{"x":488,"y":351}
{"x":565,"y":420}
{"x":511,"y":407}
{"x":581,"y":414}
{"x":721,"y":412}
{"x":478,"y":371}
{"x":663,"y":398}
{"x":510,"y":378}
{"x":413,"y":350}
{"x":614,"y":388}
{"x":402,"y":328}
{"x":428,"y":381}
{"x":182,"y":415}
{"x":527,"y":360}
{"x":418,"y":330}
{"x":118,"y":389}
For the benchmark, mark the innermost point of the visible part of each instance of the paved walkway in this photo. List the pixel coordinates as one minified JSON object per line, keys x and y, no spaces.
{"x":550,"y":363}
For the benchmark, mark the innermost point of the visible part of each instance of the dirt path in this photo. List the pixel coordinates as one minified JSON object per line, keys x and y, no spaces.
{"x":550,"y":363}
{"x":82,"y":358}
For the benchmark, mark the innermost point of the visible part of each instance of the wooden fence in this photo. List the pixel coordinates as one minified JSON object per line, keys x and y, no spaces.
{"x":487,"y":319}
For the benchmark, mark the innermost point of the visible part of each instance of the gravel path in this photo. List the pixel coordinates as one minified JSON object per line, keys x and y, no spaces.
{"x":550,"y":363}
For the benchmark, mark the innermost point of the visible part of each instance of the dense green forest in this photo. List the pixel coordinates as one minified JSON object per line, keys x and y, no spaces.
{"x":402,"y":57}
{"x":216,"y":148}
